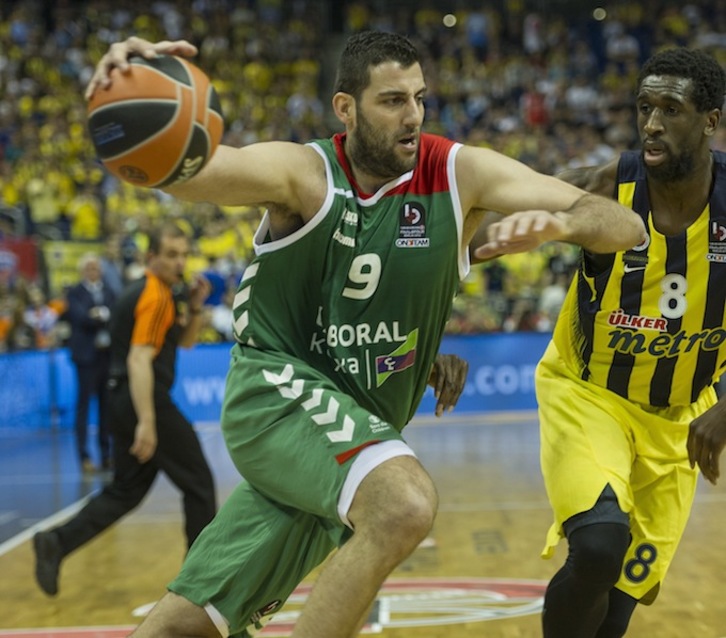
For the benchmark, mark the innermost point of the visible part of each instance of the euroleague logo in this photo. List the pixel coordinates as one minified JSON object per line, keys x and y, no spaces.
{"x":427,"y":602}
{"x":412,"y":226}
{"x":401,"y":603}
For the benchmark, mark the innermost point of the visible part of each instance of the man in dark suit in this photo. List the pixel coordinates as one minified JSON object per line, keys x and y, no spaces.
{"x":88,"y":313}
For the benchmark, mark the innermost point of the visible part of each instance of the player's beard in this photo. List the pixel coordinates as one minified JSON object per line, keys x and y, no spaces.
{"x":674,"y":169}
{"x":374,"y":153}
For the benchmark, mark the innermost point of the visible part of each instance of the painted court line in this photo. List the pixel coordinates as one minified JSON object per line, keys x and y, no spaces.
{"x":50,"y":521}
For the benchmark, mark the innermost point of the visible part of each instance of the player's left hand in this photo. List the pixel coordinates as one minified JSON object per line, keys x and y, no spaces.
{"x":706,"y":441}
{"x":448,"y":377}
{"x":522,"y":232}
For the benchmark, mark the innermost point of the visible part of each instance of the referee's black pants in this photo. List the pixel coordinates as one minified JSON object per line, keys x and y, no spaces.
{"x":178,"y":454}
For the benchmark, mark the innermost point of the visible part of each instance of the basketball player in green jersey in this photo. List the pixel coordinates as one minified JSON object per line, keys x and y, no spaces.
{"x":338,"y":321}
{"x":625,"y":388}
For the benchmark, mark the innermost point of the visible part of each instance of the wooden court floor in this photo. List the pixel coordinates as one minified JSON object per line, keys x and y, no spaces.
{"x":478,"y":575}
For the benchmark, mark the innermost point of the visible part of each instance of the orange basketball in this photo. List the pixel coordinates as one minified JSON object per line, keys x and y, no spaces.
{"x":158,"y":124}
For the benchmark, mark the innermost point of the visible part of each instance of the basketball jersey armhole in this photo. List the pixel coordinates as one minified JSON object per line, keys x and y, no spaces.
{"x":262,"y":245}
{"x":464,"y":263}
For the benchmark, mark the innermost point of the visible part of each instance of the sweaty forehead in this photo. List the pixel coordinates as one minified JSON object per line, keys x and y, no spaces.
{"x":666,"y":86}
{"x":392,"y":77}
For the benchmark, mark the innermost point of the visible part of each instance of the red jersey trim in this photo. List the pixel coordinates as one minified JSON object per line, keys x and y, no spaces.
{"x":430,"y":174}
{"x":349,"y":454}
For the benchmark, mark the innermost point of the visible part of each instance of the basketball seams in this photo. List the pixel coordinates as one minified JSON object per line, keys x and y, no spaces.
{"x":185,"y":93}
{"x":190,"y":94}
{"x":133,"y":102}
{"x":162,"y":74}
{"x":176,"y":139}
{"x":209,"y":115}
{"x":198,"y":122}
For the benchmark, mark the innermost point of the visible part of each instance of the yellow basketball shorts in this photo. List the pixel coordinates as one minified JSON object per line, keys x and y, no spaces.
{"x":591,"y":437}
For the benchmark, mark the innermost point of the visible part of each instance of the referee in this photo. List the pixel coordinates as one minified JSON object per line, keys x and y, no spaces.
{"x":149,"y":432}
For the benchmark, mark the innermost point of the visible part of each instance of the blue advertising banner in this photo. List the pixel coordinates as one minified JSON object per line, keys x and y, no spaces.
{"x":501,"y":374}
{"x":200,"y":378}
{"x":25,"y":389}
{"x":501,"y":371}
{"x":38,"y":388}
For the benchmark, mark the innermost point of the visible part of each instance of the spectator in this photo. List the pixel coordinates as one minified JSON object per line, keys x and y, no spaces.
{"x":39,"y":319}
{"x":89,"y":313}
{"x":112,"y":265}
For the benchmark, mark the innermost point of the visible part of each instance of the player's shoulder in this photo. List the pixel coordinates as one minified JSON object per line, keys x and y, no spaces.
{"x":432,"y":172}
{"x":432,"y":144}
{"x":435,"y":151}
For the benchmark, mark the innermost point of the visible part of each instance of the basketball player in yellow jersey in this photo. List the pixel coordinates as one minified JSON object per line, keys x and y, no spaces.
{"x":625,"y":389}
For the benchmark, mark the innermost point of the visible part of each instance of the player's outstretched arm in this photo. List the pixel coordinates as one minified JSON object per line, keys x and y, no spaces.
{"x":287,"y":176}
{"x":539,"y":208}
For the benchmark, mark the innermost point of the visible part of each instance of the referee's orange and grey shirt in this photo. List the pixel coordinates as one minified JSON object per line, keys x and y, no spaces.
{"x":146,"y":315}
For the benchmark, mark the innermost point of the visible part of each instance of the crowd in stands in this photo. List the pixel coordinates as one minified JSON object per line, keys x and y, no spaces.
{"x":552,"y":88}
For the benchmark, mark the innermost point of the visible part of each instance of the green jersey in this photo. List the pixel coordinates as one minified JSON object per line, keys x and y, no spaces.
{"x":337,"y":325}
{"x":362,"y":292}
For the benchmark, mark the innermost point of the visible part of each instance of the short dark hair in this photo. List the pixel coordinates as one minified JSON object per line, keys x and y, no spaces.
{"x":165,"y":229}
{"x":371,"y":48}
{"x":704,"y":71}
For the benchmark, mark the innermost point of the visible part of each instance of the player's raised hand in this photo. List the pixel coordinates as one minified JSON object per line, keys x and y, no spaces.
{"x":119,"y":52}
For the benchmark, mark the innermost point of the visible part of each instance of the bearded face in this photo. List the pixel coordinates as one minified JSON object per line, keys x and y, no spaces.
{"x":670,"y":126}
{"x":674,"y":168}
{"x":378,"y":152}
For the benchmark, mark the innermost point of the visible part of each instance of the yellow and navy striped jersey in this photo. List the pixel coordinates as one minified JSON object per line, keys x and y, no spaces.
{"x":651,"y":327}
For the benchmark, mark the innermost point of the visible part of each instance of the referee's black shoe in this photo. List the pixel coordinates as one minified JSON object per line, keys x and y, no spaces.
{"x":48,"y":557}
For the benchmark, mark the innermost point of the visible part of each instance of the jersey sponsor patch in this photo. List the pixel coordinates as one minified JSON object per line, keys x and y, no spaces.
{"x":412,"y":226}
{"x":419,"y":242}
{"x":636,"y":258}
{"x":717,"y":241}
{"x":401,"y":358}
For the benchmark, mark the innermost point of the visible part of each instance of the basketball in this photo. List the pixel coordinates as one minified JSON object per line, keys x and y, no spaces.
{"x":158,"y":124}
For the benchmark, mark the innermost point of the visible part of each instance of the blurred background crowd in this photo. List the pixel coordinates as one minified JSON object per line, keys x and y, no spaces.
{"x":548,"y":82}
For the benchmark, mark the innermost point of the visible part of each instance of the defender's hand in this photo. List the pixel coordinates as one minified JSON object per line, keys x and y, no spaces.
{"x":448,"y":377}
{"x":706,"y":441}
